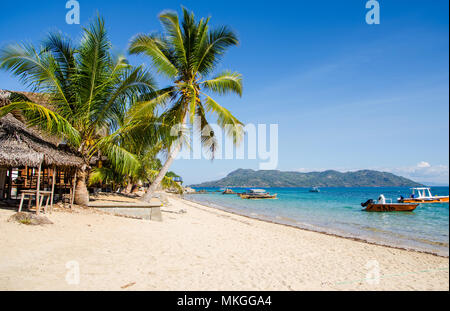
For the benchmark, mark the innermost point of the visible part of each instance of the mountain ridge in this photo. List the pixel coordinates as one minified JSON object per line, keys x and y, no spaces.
{"x":245,"y":178}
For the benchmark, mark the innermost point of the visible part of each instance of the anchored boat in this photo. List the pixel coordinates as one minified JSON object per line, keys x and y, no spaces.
{"x":423,"y":195}
{"x":257,"y":194}
{"x":382,"y":206}
{"x":228,"y":191}
{"x":314,"y":190}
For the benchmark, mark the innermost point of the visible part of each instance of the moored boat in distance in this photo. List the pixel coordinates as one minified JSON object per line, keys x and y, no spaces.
{"x":228,"y":191}
{"x":257,"y":194}
{"x":382,"y":206}
{"x":314,"y":190}
{"x":423,"y":195}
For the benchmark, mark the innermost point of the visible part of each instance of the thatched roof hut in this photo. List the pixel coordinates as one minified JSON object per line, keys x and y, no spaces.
{"x":19,"y":146}
{"x":22,"y":146}
{"x":8,"y":96}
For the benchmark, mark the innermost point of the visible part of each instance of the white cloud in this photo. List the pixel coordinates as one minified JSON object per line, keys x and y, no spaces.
{"x":423,"y":164}
{"x":424,"y":172}
{"x":308,"y":170}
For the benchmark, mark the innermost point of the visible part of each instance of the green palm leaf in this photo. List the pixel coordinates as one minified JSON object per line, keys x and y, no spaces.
{"x":175,"y":36}
{"x":225,"y":119}
{"x":36,"y":68}
{"x":211,"y":51}
{"x":157,"y":49}
{"x":224,"y":83}
{"x":38,"y":115}
{"x":89,"y":92}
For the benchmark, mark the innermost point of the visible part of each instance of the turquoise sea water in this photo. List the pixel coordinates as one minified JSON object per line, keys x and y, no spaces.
{"x":338,"y":211}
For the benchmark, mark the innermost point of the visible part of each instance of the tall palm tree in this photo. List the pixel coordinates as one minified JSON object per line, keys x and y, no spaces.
{"x":88,"y":90}
{"x":141,"y":133}
{"x":188,"y":53}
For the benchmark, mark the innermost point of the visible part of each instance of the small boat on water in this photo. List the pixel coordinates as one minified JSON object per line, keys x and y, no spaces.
{"x":423,"y":195}
{"x":257,"y":194}
{"x":228,"y":191}
{"x":314,"y":190}
{"x":382,"y":206}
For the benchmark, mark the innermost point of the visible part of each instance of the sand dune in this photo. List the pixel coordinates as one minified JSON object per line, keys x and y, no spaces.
{"x":203,"y":249}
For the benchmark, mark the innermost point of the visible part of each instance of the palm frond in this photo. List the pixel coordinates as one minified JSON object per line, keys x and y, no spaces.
{"x":63,"y":52}
{"x":207,"y":134}
{"x":105,"y":175}
{"x":211,"y":52}
{"x":149,"y":103}
{"x":127,"y":83}
{"x":175,"y":36}
{"x":157,"y":49}
{"x":45,"y":119}
{"x":36,"y":68}
{"x":224,"y":83}
{"x":122,"y":159}
{"x":93,"y":62}
{"x":226,"y":120}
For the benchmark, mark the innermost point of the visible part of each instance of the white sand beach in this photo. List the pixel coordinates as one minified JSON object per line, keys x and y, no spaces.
{"x":202,"y":249}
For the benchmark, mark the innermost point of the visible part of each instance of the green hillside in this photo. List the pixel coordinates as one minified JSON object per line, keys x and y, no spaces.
{"x":266,"y":179}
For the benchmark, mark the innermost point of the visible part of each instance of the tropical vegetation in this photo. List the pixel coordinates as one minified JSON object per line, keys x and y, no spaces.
{"x":188,"y":53}
{"x":102,"y":106}
{"x":89,"y":92}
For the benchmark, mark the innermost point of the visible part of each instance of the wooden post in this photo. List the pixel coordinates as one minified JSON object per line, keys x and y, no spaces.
{"x":72,"y":199}
{"x":62,"y":183}
{"x":3,"y":175}
{"x":9,"y":184}
{"x":25,"y":184}
{"x":45,"y":178}
{"x":38,"y":189}
{"x":53,"y":187}
{"x":60,"y":188}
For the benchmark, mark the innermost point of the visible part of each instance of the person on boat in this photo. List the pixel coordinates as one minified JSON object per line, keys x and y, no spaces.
{"x":382,"y":199}
{"x":401,"y":198}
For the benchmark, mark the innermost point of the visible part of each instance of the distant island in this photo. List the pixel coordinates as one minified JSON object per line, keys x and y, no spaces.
{"x":270,"y":179}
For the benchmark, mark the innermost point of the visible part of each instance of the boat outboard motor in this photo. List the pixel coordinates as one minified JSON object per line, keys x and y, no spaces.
{"x":367,"y":203}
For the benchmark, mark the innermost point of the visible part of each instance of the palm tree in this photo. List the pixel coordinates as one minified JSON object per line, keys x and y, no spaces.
{"x":88,"y":90}
{"x":187,"y":54}
{"x":141,"y":133}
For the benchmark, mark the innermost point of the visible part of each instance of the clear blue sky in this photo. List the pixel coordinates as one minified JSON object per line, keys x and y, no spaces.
{"x":346,"y":95}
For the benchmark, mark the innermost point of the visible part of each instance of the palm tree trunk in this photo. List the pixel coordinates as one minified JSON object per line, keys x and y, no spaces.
{"x":129,"y":186}
{"x":162,"y":173}
{"x":81,"y":192}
